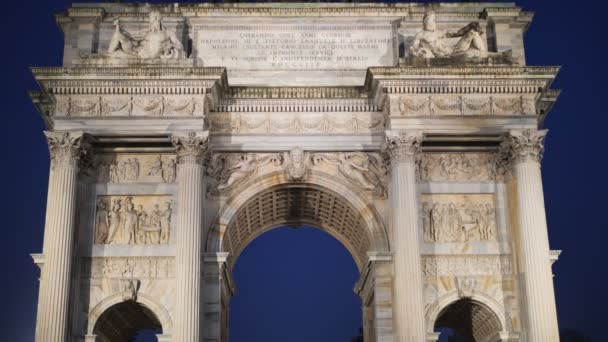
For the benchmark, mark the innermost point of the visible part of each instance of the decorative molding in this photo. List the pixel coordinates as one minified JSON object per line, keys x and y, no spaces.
{"x":402,"y":145}
{"x":128,"y":267}
{"x":190,"y":147}
{"x":467,"y":265}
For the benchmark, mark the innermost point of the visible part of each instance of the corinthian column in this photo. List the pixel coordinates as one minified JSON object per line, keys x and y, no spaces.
{"x":525,"y":148}
{"x":53,"y":312}
{"x":408,"y":306}
{"x":190,"y":148}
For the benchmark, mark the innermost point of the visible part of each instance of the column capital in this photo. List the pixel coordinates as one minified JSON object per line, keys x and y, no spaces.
{"x":524,"y":145}
{"x":190,"y":147}
{"x":402,"y":145}
{"x":66,"y":148}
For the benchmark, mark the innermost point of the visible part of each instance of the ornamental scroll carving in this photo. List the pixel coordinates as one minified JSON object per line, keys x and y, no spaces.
{"x":132,"y":168}
{"x":365,"y":170}
{"x":123,"y":105}
{"x":190,"y":147}
{"x":429,"y":105}
{"x":467,"y":265}
{"x":66,"y":148}
{"x":459,"y":218}
{"x":460,"y":167}
{"x":129,"y":267}
{"x":402,"y":146}
{"x":133,"y":220}
{"x":521,"y":146}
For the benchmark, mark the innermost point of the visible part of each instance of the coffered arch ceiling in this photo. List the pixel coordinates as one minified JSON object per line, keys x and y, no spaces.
{"x":296,"y":206}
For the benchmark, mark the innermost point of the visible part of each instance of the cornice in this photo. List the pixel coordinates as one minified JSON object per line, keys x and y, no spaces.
{"x":158,"y":73}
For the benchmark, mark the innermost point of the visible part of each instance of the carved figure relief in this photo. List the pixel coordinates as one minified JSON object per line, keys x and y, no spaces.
{"x":129,"y":268}
{"x":156,"y":43}
{"x":459,"y":218}
{"x":143,"y":220}
{"x":431,"y":42}
{"x":124,"y":168}
{"x":365,"y":170}
{"x":460,"y":167}
{"x":229,"y":169}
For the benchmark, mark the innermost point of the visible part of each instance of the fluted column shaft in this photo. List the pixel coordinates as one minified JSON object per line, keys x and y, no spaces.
{"x":408,"y":294}
{"x":188,"y":260}
{"x":525,"y":150}
{"x":53,"y":314}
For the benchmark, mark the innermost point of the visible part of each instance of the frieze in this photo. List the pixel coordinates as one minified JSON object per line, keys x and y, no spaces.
{"x":117,"y":105}
{"x":135,"y":168}
{"x":297,"y":123}
{"x":459,"y":218}
{"x":133,"y":220}
{"x":128,"y":267}
{"x":460,"y":167}
{"x":469,"y":265}
{"x":430,"y":105}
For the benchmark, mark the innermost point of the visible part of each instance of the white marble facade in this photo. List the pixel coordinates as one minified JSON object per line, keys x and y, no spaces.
{"x":410,"y":132}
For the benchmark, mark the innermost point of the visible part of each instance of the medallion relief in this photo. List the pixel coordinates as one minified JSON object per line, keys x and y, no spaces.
{"x":459,"y":218}
{"x":133,"y":220}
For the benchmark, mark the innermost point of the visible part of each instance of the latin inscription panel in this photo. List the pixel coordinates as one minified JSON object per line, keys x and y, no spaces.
{"x":296,"y":46}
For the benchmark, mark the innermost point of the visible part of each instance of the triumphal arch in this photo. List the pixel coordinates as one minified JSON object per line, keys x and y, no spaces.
{"x":179,"y":133}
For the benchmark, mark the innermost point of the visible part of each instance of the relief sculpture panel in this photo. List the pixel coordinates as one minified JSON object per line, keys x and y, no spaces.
{"x":125,"y":168}
{"x":131,"y":220}
{"x":459,"y":218}
{"x":460,"y":167}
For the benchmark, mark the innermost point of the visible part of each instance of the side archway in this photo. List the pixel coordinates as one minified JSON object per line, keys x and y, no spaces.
{"x":114,"y":309}
{"x":477,"y":317}
{"x":322,"y":201}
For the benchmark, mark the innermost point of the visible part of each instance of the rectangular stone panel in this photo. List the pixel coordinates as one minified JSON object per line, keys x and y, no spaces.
{"x":296,"y":44}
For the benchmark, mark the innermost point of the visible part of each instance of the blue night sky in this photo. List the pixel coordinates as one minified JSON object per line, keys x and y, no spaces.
{"x":297,"y":285}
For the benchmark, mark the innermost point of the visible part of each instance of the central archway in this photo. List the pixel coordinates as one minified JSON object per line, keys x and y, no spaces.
{"x":272,"y":201}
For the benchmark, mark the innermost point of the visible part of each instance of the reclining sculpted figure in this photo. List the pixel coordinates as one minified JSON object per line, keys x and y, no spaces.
{"x":157,"y":43}
{"x":430,"y":42}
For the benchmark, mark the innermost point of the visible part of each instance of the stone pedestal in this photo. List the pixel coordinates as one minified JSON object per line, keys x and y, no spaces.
{"x":190,"y":148}
{"x":402,"y":147}
{"x":525,"y":150}
{"x":53,"y":314}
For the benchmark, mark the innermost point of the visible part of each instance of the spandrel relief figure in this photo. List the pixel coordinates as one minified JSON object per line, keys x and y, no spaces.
{"x":156,"y":43}
{"x":231,"y":169}
{"x":364,"y":170}
{"x":431,"y":42}
{"x":459,"y":222}
{"x":133,"y":220}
